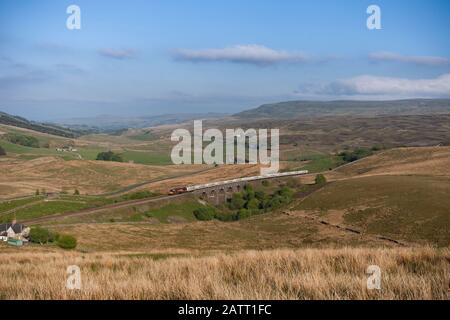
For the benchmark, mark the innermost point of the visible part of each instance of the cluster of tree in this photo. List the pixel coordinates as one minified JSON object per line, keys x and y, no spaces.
{"x":22,"y":140}
{"x":358,"y":153}
{"x":247,"y":203}
{"x":109,"y":156}
{"x":250,"y":202}
{"x":2,"y":151}
{"x":44,"y":236}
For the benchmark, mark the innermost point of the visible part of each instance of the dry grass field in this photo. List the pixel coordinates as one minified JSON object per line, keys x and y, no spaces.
{"x":23,"y":177}
{"x":415,"y":273}
{"x":422,"y":161}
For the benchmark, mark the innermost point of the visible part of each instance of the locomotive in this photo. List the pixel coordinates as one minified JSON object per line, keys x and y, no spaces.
{"x":178,"y":190}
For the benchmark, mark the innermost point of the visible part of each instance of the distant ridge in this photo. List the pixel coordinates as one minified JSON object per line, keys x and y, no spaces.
{"x":108,"y":123}
{"x":308,"y":109}
{"x":21,"y":122}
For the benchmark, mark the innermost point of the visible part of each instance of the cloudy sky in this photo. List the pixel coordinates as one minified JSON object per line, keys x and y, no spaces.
{"x":154,"y":57}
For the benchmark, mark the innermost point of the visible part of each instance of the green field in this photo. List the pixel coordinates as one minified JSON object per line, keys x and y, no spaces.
{"x":11,"y":204}
{"x":322,"y":162}
{"x":182,"y":210}
{"x":44,"y":209}
{"x":89,"y":153}
{"x":36,"y":152}
{"x":411,"y":208}
{"x":64,"y":203}
{"x":146,"y":157}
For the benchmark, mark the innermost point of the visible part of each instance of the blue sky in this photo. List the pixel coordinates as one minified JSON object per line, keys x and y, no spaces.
{"x":155,"y":57}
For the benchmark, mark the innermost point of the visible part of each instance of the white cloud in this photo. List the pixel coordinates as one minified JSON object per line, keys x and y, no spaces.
{"x":119,"y":54}
{"x":373,"y":86}
{"x":421,"y":60}
{"x":251,"y":54}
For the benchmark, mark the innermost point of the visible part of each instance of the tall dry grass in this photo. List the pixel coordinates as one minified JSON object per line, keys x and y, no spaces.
{"x":409,"y":273}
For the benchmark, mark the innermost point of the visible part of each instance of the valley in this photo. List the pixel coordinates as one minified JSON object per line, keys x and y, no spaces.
{"x":383,"y":198}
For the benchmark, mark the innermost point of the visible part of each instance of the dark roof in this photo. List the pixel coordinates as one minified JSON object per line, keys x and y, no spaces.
{"x":17,"y":227}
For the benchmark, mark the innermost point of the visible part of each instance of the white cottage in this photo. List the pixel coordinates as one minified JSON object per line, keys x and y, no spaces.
{"x":14,"y":231}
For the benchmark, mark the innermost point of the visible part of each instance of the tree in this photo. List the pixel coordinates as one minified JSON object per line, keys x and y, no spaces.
{"x":42,"y":236}
{"x":76,"y":192}
{"x":37,"y":192}
{"x":320,"y":179}
{"x":253,"y":204}
{"x":237,"y":201}
{"x":249,"y":193}
{"x":2,"y":151}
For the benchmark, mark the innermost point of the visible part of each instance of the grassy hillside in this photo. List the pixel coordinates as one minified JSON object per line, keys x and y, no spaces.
{"x":20,"y":122}
{"x":89,"y":177}
{"x":302,"y":109}
{"x":411,"y":208}
{"x":403,"y":161}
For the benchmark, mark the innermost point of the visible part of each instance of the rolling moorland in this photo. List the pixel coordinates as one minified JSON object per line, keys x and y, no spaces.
{"x":385,"y":201}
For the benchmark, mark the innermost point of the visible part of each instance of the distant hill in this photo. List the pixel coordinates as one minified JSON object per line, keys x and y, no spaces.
{"x":111,"y":123}
{"x":20,"y":122}
{"x":310,"y":109}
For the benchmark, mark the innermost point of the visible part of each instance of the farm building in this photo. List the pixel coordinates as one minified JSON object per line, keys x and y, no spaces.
{"x":13,"y":230}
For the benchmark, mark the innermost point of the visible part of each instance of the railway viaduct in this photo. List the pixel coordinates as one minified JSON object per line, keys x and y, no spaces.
{"x":222,"y":191}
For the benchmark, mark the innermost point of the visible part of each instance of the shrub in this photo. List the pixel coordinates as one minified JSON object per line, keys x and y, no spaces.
{"x":2,"y":151}
{"x":276,"y":201}
{"x":357,"y":154}
{"x":260,"y":195}
{"x":320,"y":179}
{"x":205,"y":213}
{"x":42,"y":236}
{"x":109,"y":156}
{"x":76,"y":192}
{"x":286,"y":192}
{"x":244,"y":213}
{"x":237,"y":201}
{"x":225,"y":217}
{"x":253,"y":204}
{"x":67,"y":242}
{"x":265,"y":183}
